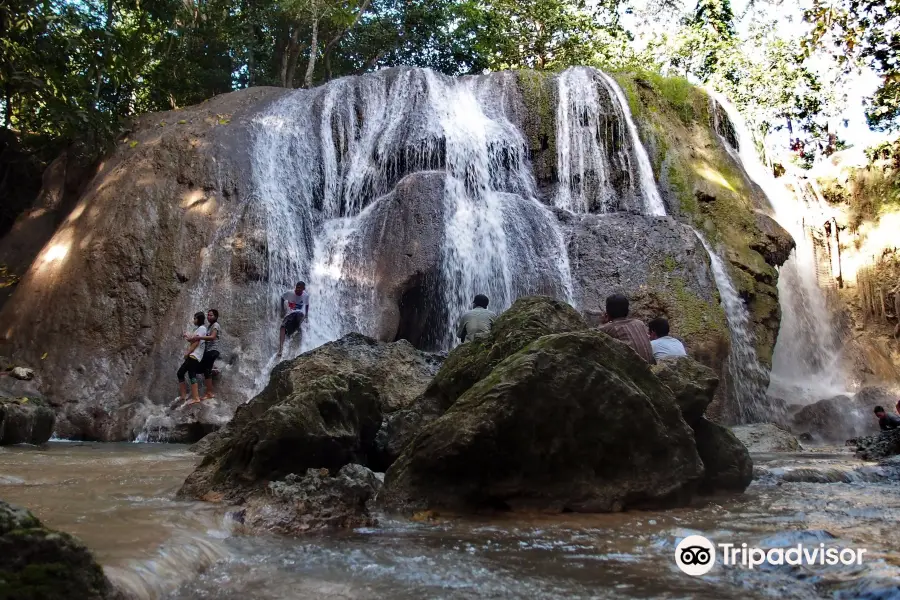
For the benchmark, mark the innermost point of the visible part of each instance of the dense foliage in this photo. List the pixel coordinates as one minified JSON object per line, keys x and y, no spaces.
{"x":76,"y":69}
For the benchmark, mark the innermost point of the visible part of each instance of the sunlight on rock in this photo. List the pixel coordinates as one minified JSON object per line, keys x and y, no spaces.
{"x":713,"y":176}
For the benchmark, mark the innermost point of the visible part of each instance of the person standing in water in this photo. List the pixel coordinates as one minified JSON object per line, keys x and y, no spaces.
{"x":192,"y":358}
{"x":477,"y":321}
{"x":211,"y":352}
{"x":295,"y":308}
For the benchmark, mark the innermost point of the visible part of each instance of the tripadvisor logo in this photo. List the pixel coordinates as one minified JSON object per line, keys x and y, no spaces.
{"x":696,"y":555}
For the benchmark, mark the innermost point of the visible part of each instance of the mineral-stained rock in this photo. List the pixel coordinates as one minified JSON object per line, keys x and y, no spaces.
{"x":727,"y":463}
{"x":692,"y":384}
{"x":881,"y":445}
{"x":37,"y":563}
{"x":300,"y":504}
{"x":25,"y":421}
{"x":574,"y":421}
{"x":766,"y":437}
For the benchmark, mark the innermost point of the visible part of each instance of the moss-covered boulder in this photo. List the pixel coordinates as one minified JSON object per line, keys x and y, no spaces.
{"x":525,"y":321}
{"x":574,"y":421}
{"x":325,"y":423}
{"x":320,"y":410}
{"x":25,"y":421}
{"x":693,"y":385}
{"x":37,"y":563}
{"x":726,"y":461}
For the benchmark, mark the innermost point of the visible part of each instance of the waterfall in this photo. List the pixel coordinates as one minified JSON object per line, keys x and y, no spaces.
{"x":807,"y":364}
{"x":746,"y":377}
{"x":325,"y":166}
{"x":597,"y":161}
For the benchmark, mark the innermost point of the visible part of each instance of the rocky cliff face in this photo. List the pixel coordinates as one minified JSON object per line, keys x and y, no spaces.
{"x":396,"y":209}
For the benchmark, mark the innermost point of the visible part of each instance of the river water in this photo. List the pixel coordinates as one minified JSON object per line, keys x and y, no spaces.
{"x":118,"y":499}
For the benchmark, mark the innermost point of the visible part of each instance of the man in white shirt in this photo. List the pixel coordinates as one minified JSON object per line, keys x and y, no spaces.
{"x":295,"y":309}
{"x":664,"y":345}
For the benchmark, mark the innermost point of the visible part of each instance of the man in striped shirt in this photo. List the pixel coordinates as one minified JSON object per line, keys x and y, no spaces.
{"x":631,"y":331}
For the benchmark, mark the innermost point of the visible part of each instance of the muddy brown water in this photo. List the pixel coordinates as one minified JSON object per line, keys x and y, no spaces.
{"x":118,"y":498}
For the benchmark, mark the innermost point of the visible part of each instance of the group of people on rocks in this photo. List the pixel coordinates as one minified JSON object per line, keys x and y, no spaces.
{"x":652,"y":341}
{"x":203,"y":343}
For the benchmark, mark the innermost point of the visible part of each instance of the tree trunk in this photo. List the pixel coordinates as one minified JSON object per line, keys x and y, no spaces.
{"x":313,"y":49}
{"x":329,"y":48}
{"x":293,"y":57}
{"x":101,"y":68}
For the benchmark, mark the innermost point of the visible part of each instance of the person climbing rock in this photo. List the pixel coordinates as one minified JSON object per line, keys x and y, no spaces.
{"x":477,"y":321}
{"x":295,"y":308}
{"x":886,"y":421}
{"x":663,"y":344}
{"x":192,"y":358}
{"x":211,"y":351}
{"x":633,"y":332}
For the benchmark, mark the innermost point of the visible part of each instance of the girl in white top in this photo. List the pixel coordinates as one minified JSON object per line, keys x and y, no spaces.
{"x":192,"y":358}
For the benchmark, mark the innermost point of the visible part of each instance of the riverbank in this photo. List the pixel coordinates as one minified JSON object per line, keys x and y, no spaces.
{"x":118,"y":499}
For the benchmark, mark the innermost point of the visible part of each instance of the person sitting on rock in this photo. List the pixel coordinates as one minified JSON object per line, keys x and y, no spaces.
{"x":211,"y":352}
{"x":633,"y":332}
{"x":476,"y":322}
{"x":192,"y":358}
{"x":886,"y":421}
{"x":295,"y":308}
{"x":663,"y":344}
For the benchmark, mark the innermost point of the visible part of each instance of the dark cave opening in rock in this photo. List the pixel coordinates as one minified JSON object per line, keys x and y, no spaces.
{"x":423,"y":315}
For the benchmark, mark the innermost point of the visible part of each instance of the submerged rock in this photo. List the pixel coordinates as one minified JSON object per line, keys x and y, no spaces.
{"x":766,"y":437}
{"x":37,"y":563}
{"x":574,"y":421}
{"x":25,"y":421}
{"x":300,"y":504}
{"x":320,"y":410}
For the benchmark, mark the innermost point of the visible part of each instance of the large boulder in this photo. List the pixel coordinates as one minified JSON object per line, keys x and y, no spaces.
{"x":574,"y":421}
{"x":693,"y":384}
{"x":837,"y":419}
{"x":525,"y":321}
{"x":528,"y":319}
{"x":184,"y":423}
{"x":727,"y":463}
{"x":766,"y":437}
{"x":25,"y":421}
{"x":315,"y":501}
{"x":320,"y":410}
{"x":37,"y":563}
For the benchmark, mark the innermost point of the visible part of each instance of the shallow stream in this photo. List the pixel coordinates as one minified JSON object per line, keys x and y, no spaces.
{"x":118,"y":499}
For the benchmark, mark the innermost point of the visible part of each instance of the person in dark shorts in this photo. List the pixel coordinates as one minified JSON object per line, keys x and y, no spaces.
{"x":295,"y":308}
{"x":192,"y":358}
{"x":211,"y":353}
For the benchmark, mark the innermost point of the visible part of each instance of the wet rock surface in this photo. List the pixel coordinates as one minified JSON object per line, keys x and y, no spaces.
{"x":882,"y":445}
{"x":25,"y":421}
{"x":314,"y":501}
{"x":574,"y":421}
{"x":184,"y":423}
{"x":726,"y":461}
{"x":39,"y":563}
{"x":766,"y":437}
{"x":320,"y":410}
{"x":693,"y":385}
{"x":837,"y":419}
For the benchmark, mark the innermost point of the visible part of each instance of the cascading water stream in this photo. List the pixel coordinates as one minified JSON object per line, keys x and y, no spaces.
{"x":325,"y":162}
{"x":592,"y":147}
{"x":746,"y":376}
{"x":808,"y":362}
